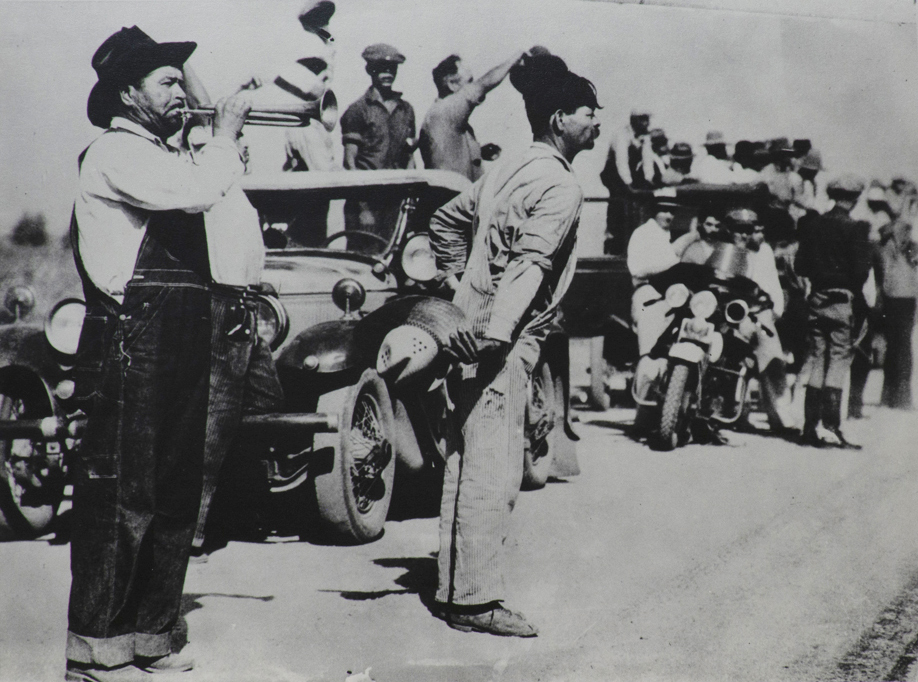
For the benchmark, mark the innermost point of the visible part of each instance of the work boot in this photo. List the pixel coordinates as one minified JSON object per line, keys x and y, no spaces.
{"x":831,"y":417}
{"x":812,"y":408}
{"x":81,"y":672}
{"x":496,"y":621}
{"x":170,"y":663}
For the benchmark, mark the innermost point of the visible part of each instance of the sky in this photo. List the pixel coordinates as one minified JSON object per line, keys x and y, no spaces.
{"x":848,"y":85}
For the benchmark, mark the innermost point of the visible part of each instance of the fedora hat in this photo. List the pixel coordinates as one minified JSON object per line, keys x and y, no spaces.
{"x":124,"y":57}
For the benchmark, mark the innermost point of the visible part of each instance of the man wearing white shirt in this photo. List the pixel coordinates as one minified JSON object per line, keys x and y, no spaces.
{"x":650,"y":252}
{"x":142,"y":367}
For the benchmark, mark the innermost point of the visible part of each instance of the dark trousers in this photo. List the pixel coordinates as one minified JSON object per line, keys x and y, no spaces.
{"x":899,"y":320}
{"x":137,"y":476}
{"x":829,"y":329}
{"x":243,"y":380}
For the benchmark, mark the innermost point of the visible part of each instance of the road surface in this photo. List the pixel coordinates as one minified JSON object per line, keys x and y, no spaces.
{"x":757,"y":560}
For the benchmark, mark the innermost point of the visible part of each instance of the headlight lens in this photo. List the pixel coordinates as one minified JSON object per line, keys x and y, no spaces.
{"x":703,"y":304}
{"x":677,"y":295}
{"x":418,"y":261}
{"x":272,"y":323}
{"x":736,"y":311}
{"x":64,"y":324}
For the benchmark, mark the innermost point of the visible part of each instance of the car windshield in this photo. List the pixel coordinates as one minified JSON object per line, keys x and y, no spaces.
{"x":354,"y":225}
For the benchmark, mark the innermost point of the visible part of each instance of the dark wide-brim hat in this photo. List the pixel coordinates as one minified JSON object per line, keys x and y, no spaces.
{"x":125,"y":57}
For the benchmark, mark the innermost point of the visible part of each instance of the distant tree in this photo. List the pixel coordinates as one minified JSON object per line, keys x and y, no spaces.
{"x":30,"y":230}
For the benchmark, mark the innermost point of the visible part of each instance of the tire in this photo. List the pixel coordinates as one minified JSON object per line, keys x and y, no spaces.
{"x":29,"y":499}
{"x":543,"y":406}
{"x":353,"y":498}
{"x":674,"y":415}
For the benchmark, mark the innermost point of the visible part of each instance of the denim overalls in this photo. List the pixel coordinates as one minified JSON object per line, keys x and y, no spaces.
{"x":142,"y":373}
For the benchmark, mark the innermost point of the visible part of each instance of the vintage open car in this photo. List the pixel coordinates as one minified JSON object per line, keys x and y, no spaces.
{"x":340,"y":246}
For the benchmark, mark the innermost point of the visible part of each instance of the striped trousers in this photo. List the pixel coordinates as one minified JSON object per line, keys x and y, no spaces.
{"x":484,"y":470}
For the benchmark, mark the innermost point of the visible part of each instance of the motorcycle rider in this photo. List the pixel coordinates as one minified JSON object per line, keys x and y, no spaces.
{"x":748,"y":233}
{"x":650,"y":252}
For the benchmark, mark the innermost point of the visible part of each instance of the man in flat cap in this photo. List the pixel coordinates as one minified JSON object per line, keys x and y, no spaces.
{"x":835,"y":254}
{"x":378,"y":132}
{"x":714,"y":168}
{"x":527,"y":210}
{"x":447,"y":140}
{"x":143,"y":363}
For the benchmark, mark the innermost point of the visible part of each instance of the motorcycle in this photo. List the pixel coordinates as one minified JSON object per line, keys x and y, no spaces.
{"x":705,"y":357}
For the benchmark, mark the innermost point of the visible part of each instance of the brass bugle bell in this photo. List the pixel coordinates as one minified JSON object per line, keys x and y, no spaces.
{"x":323,"y":109}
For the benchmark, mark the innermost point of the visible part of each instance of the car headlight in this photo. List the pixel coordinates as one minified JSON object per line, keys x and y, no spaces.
{"x":703,"y":304}
{"x":272,"y":323}
{"x":418,"y":261}
{"x":64,"y":324}
{"x":677,"y":295}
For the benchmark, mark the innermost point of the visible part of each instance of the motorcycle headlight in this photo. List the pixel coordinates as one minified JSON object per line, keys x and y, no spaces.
{"x":418,"y":261}
{"x":272,"y":322}
{"x":703,"y":304}
{"x":677,"y":295}
{"x":736,"y":311}
{"x":64,"y":324}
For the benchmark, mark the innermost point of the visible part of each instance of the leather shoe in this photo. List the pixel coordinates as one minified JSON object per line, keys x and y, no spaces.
{"x":498,"y":621}
{"x":170,"y":663}
{"x":77,"y":672}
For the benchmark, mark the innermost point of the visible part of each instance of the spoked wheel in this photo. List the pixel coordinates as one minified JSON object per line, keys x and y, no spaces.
{"x":542,"y":409}
{"x":674,"y":420}
{"x":353,"y":497}
{"x":31,"y":476}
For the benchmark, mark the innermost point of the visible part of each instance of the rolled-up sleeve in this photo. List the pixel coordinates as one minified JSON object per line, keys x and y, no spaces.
{"x":451,"y":231}
{"x":532,"y":255}
{"x":352,"y":126}
{"x":141,"y":174}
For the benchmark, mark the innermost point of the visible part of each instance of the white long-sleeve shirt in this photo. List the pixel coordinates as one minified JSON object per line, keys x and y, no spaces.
{"x":129,"y":172}
{"x":649,"y":252}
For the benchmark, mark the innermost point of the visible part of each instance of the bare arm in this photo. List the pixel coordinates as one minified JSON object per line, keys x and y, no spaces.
{"x":493,"y":78}
{"x":350,"y":156}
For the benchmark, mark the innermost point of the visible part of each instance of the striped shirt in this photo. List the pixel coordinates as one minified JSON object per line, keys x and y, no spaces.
{"x":522,"y":260}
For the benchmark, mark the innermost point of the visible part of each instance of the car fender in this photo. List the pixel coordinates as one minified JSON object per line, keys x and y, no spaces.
{"x":27,"y":380}
{"x":326,"y":348}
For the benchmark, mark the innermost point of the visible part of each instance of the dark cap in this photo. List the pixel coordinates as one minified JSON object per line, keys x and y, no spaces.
{"x":812,"y":160}
{"x":681,"y":150}
{"x":125,"y":57}
{"x":780,"y":145}
{"x":315,"y":15}
{"x":847,"y":184}
{"x":663,"y":202}
{"x":380,"y":52}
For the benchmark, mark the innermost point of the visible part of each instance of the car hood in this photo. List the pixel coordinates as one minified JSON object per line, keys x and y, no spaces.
{"x":316,"y":272}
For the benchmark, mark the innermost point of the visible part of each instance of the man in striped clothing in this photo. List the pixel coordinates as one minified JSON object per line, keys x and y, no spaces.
{"x":524,"y":216}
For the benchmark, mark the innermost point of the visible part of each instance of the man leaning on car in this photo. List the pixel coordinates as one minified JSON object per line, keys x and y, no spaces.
{"x":144,"y":356}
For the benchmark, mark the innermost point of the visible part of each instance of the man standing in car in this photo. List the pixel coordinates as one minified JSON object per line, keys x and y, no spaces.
{"x":447,"y":141}
{"x":378,"y":133}
{"x":521,"y":263}
{"x":143,"y":362}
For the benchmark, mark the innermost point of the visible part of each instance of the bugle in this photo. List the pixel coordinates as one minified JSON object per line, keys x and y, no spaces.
{"x":324,"y":110}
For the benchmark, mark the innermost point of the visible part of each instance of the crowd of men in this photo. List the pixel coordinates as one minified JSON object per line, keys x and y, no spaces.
{"x":837,"y":260}
{"x":170,"y":253}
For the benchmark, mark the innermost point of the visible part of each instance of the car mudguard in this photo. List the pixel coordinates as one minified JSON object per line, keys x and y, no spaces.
{"x":325,"y":348}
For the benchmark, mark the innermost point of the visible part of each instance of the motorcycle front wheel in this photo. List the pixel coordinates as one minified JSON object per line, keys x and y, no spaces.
{"x":674,"y":419}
